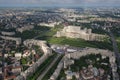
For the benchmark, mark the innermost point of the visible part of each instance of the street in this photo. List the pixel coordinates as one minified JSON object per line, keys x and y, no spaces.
{"x":48,"y":68}
{"x":115,"y":47}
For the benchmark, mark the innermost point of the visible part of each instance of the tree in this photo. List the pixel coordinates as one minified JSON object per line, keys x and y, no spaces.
{"x":24,"y":61}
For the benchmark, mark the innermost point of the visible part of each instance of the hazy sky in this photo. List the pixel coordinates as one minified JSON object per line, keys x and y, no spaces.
{"x":59,"y":2}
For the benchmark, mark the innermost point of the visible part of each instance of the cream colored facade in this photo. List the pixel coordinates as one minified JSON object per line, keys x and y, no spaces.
{"x":26,"y":27}
{"x":42,"y":44}
{"x":8,"y":33}
{"x":87,"y":51}
{"x":18,"y":40}
{"x":52,"y":24}
{"x":77,"y":32}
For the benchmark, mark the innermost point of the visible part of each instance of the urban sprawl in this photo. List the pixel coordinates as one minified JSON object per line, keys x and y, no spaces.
{"x":59,"y":44}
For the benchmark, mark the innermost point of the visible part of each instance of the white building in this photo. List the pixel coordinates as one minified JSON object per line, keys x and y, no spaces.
{"x":86,"y":51}
{"x":26,"y":27}
{"x":52,"y":24}
{"x":69,"y":75}
{"x":57,"y":71}
{"x":26,"y":53}
{"x":77,"y":32}
{"x":18,"y":40}
{"x":8,"y":33}
{"x":42,"y":44}
{"x":18,"y":55}
{"x":17,"y":69}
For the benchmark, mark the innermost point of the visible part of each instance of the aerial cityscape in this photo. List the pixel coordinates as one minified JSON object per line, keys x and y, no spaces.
{"x":59,"y":40}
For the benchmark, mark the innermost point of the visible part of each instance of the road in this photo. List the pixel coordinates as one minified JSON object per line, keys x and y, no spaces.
{"x":48,"y":68}
{"x":115,"y":47}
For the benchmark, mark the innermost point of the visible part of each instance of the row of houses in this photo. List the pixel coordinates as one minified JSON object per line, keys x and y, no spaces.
{"x":24,"y":28}
{"x":42,"y":44}
{"x":104,"y":53}
{"x":47,"y":52}
{"x":58,"y":70}
{"x":31,"y":69}
{"x":84,"y":52}
{"x":18,"y":40}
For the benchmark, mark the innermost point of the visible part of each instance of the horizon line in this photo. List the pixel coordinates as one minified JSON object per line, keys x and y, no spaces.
{"x":56,"y":6}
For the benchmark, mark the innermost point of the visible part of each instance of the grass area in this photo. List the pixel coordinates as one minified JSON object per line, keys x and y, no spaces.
{"x":24,"y":60}
{"x":48,"y":34}
{"x":70,"y":41}
{"x":81,"y":43}
{"x":42,"y":67}
{"x":51,"y":71}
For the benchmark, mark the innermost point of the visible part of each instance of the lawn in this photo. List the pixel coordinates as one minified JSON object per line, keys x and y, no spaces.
{"x":49,"y":33}
{"x":80,"y":43}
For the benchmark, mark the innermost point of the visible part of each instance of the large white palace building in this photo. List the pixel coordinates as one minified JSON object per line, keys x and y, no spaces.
{"x":77,"y":32}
